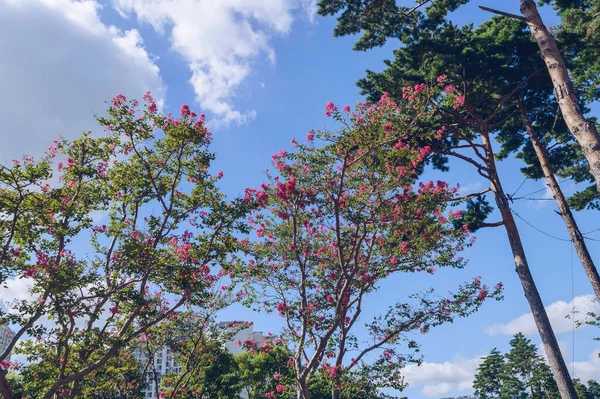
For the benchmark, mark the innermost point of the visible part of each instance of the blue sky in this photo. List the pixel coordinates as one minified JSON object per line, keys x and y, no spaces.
{"x":262,"y":70}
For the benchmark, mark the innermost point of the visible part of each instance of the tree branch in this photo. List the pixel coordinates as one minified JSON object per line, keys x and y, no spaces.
{"x":503,"y":13}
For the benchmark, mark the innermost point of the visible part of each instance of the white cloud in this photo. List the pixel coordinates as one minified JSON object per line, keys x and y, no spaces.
{"x":544,"y":197}
{"x":588,"y":370}
{"x":219,"y":40}
{"x":456,"y":377}
{"x":437,"y":379}
{"x":470,"y":188}
{"x":15,"y":290}
{"x":557,"y":313}
{"x":60,"y":65}
{"x":310,"y":7}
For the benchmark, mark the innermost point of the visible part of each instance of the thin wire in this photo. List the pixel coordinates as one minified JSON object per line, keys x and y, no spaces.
{"x":536,"y":199}
{"x":542,"y":189}
{"x":550,"y":235}
{"x":541,"y":231}
{"x":592,"y":231}
{"x":521,"y":185}
{"x":573,"y":309}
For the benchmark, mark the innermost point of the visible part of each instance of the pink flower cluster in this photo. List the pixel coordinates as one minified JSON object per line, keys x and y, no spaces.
{"x":330,"y":108}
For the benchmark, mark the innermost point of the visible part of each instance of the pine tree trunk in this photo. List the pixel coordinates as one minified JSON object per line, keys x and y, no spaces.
{"x":565,"y":211}
{"x":555,"y":359}
{"x":584,"y":131}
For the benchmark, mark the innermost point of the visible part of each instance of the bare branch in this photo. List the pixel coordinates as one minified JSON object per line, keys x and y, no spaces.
{"x":503,"y":13}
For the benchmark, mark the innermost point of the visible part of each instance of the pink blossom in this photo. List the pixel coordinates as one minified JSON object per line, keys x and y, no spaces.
{"x":280,"y":388}
{"x":30,"y":272}
{"x":310,"y":137}
{"x":114,"y":310}
{"x":119,"y":100}
{"x":183,"y":252}
{"x":185,"y":110}
{"x":329,"y":108}
{"x":459,"y":101}
{"x":449,"y":89}
{"x":148,"y":97}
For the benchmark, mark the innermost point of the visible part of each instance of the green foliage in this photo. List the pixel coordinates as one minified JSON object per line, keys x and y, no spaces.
{"x":261,"y":371}
{"x":119,"y":378}
{"x":487,"y":383}
{"x":97,"y":287}
{"x":379,"y":20}
{"x":337,"y":219}
{"x":487,"y":63}
{"x":522,"y":373}
{"x":477,"y":209}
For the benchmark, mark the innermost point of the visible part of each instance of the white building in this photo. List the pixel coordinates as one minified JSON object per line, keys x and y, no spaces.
{"x":164,"y":361}
{"x":6,"y":336}
{"x":242,"y":336}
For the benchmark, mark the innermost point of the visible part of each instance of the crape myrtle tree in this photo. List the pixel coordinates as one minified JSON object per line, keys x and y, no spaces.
{"x":266,"y":369}
{"x":97,"y":287}
{"x":205,"y":368}
{"x":489,"y":70}
{"x":196,"y":348}
{"x":341,"y":214}
{"x":119,"y":378}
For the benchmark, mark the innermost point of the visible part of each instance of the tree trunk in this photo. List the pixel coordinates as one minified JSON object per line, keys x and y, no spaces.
{"x":5,"y":391}
{"x":565,"y":211}
{"x":529,"y":383}
{"x":335,"y":393}
{"x":555,"y":359}
{"x":302,"y":389}
{"x":584,"y":131}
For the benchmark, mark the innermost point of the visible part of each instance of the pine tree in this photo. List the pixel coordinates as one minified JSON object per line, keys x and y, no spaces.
{"x":524,"y":363}
{"x":594,"y":389}
{"x":521,"y":359}
{"x":582,"y":391}
{"x":487,"y":383}
{"x":543,"y":382}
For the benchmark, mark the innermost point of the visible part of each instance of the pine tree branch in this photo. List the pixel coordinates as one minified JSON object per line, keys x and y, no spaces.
{"x":503,"y":13}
